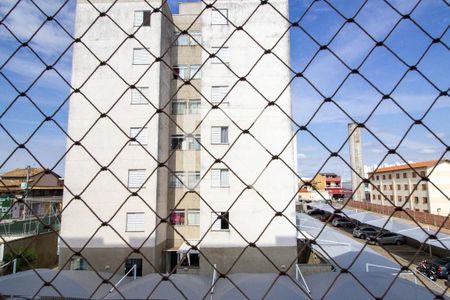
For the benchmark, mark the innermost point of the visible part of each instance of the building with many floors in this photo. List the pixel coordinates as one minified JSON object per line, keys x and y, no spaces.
{"x":424,"y":186}
{"x":171,"y":147}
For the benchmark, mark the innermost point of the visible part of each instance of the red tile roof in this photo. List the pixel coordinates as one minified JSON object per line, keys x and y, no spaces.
{"x":417,"y":165}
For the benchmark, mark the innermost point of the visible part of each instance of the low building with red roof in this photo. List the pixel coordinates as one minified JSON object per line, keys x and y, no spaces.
{"x":423,"y":186}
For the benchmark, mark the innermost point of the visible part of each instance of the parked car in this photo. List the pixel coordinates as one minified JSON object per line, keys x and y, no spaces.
{"x":442,"y":266}
{"x":364,"y":231}
{"x":342,"y":222}
{"x":387,"y":238}
{"x":328,"y":217}
{"x":315,"y":211}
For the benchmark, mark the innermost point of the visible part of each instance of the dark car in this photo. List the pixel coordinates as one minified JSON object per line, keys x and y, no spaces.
{"x":387,"y":238}
{"x":364,"y":232}
{"x":328,"y":217}
{"x":442,"y":267}
{"x":342,"y":222}
{"x":315,"y":211}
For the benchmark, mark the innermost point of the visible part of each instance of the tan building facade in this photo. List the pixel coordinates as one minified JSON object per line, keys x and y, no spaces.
{"x":408,"y":183}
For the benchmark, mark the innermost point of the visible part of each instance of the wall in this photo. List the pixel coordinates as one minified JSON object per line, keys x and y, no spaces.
{"x":104,"y":196}
{"x":247,"y":159}
{"x":45,"y":245}
{"x":421,"y":217}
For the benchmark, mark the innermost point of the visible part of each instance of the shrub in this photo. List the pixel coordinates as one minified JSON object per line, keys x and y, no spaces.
{"x":25,"y":259}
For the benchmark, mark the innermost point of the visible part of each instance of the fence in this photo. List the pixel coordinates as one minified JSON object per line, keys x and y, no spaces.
{"x":184,"y":130}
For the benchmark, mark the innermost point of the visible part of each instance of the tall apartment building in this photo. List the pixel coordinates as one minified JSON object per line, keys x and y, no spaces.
{"x":399,"y":184}
{"x":191,"y":153}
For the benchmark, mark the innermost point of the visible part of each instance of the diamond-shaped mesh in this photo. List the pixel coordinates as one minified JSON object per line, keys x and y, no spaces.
{"x":380,"y":65}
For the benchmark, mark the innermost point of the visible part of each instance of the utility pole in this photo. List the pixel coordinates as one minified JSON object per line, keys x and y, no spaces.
{"x":26,"y":192}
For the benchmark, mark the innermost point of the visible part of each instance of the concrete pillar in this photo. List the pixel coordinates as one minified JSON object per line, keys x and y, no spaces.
{"x":356,"y":162}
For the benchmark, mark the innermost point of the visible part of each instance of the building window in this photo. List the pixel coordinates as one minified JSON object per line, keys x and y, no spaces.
{"x":379,"y":197}
{"x":390,"y":176}
{"x":424,"y":200}
{"x":140,"y":134}
{"x":422,"y":173}
{"x":141,"y":56}
{"x":416,"y":200}
{"x":177,"y":142}
{"x":397,"y":175}
{"x":193,"y":178}
{"x":424,"y":186}
{"x":414,"y":187}
{"x":139,"y":95}
{"x":193,"y":217}
{"x":391,"y":187}
{"x":177,"y":217}
{"x":135,"y":222}
{"x":377,"y":177}
{"x":193,"y":143}
{"x":176,"y":180}
{"x":130,"y":262}
{"x":180,"y":71}
{"x":220,"y":221}
{"x":178,"y":107}
{"x":414,"y":175}
{"x":384,"y":187}
{"x":219,"y":16}
{"x":196,"y":38}
{"x":399,"y":187}
{"x":399,"y":198}
{"x":222,"y":55}
{"x":194,"y":106}
{"x":180,"y":142}
{"x":426,"y":211}
{"x":196,"y":73}
{"x":218,"y":94}
{"x":391,"y":198}
{"x":384,"y":177}
{"x":405,"y":175}
{"x":78,"y":263}
{"x":378,"y":187}
{"x":181,"y":39}
{"x":142,"y":18}
{"x":192,"y":39}
{"x":136,"y":178}
{"x":219,"y":178}
{"x":406,"y":187}
{"x":219,"y":135}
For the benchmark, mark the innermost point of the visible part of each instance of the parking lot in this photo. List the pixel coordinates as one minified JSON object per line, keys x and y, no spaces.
{"x":404,"y":254}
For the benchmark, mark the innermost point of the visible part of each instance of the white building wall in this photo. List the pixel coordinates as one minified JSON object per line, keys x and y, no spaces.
{"x":104,"y":195}
{"x":247,"y":159}
{"x":439,"y":193}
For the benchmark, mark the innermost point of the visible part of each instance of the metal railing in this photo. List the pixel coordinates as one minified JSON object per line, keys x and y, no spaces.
{"x":299,"y":275}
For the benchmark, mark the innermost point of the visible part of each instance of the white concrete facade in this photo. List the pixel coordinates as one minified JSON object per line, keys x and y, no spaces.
{"x":105,"y":140}
{"x":246,"y":160}
{"x":106,"y":195}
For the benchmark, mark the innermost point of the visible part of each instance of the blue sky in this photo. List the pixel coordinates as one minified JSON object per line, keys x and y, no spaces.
{"x":356,"y":96}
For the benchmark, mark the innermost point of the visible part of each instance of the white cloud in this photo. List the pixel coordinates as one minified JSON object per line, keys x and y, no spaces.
{"x":428,"y":151}
{"x":301,"y":156}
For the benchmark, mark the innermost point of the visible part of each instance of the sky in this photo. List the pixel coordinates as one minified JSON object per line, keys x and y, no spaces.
{"x":22,"y":119}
